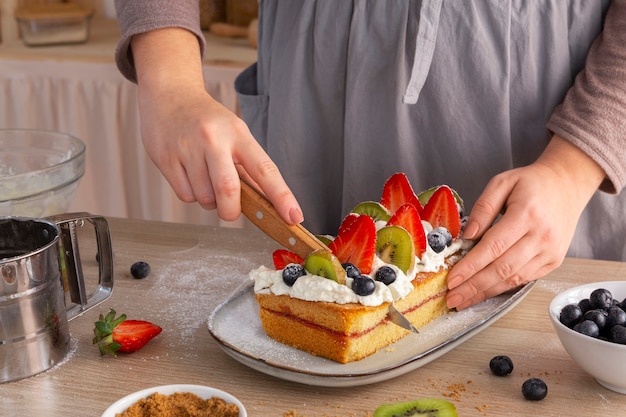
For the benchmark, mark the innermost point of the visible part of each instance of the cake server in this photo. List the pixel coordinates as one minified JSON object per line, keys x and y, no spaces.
{"x":258,"y":209}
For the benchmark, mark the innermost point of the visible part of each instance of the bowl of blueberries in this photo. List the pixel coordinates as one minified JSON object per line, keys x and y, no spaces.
{"x":590,"y":321}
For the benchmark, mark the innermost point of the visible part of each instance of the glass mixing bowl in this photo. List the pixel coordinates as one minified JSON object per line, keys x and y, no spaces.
{"x":39,"y":171}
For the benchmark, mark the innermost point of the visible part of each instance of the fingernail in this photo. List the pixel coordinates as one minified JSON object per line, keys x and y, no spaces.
{"x":454,"y":300}
{"x":295,"y":215}
{"x":470,"y":230}
{"x":455,"y":281}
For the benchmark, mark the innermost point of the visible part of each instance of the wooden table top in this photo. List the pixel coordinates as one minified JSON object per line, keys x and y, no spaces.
{"x":194,"y":268}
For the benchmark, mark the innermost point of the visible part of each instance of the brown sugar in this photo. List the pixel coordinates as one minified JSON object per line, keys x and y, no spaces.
{"x":180,"y":404}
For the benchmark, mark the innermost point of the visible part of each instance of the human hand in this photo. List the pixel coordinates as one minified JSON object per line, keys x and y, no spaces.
{"x":200,"y":146}
{"x":540,"y":205}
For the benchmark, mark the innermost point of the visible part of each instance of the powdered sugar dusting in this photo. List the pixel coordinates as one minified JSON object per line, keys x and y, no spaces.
{"x":194,"y":288}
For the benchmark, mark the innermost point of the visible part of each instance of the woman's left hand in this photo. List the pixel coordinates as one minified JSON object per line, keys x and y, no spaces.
{"x":540,"y":206}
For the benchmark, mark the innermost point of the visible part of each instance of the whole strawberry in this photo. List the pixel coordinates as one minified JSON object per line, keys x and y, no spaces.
{"x":114,"y":335}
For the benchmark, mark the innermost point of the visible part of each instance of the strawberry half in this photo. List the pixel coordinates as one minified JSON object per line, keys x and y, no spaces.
{"x":441,"y":210}
{"x":407,"y":217}
{"x":284,"y":257}
{"x":347,"y":222}
{"x":397,"y":191}
{"x":356,"y":243}
{"x":114,"y":335}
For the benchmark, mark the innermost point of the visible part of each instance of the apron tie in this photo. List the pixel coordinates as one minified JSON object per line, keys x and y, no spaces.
{"x":424,"y":49}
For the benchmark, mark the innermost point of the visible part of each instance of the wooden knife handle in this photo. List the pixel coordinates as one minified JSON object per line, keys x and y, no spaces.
{"x":257,"y":208}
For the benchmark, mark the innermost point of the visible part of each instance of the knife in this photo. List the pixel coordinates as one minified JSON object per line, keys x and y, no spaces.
{"x":258,"y":209}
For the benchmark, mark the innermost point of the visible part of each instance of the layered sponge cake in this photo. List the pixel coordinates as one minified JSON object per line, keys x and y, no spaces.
{"x":335,"y":302}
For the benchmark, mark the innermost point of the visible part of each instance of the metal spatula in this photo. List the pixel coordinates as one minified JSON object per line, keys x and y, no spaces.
{"x":257,"y":208}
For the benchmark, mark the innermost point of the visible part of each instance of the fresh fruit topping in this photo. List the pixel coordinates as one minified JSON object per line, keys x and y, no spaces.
{"x":373,"y":209}
{"x":588,"y":328}
{"x":434,"y":407}
{"x":424,"y":196}
{"x":394,"y":245}
{"x":363,"y":285}
{"x":284,"y":257}
{"x":347,"y":222}
{"x":501,"y":365}
{"x":324,"y":264}
{"x":439,"y":238}
{"x":356,"y":244}
{"x":140,"y":270}
{"x":114,"y":335}
{"x":325,"y":239}
{"x":441,"y":210}
{"x":397,"y":191}
{"x":534,"y":389}
{"x":292,"y":272}
{"x":351,"y":270}
{"x":407,"y":216}
{"x":386,"y":275}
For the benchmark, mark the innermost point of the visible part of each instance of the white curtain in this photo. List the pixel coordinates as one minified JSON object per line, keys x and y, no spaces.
{"x":92,"y":101}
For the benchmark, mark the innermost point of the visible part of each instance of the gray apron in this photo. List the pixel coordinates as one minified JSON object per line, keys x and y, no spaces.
{"x":345,"y":93}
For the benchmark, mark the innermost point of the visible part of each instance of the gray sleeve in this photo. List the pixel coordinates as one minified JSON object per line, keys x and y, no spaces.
{"x":139,"y":16}
{"x":593,"y":114}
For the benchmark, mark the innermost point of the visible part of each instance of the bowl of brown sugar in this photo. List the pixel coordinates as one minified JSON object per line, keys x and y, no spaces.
{"x":176,"y":401}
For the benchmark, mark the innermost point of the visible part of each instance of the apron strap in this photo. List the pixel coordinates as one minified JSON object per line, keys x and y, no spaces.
{"x":424,"y":49}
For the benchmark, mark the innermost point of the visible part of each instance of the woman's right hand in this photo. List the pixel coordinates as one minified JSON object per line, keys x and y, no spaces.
{"x":200,"y":146}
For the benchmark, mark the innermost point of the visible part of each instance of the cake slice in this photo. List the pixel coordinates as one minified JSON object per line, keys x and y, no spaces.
{"x":335,"y":304}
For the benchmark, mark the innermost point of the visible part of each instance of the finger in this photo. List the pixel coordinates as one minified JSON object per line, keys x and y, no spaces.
{"x":496,"y":241}
{"x":537,"y":268}
{"x":225,"y":184}
{"x":487,"y":208}
{"x":264,"y":172}
{"x":176,"y":176}
{"x":515,"y":264}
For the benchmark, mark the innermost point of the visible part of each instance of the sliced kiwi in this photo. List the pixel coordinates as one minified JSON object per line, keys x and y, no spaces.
{"x":325,"y":239}
{"x":394,"y":245}
{"x":430,"y":407}
{"x":373,"y":209}
{"x":324,"y":264}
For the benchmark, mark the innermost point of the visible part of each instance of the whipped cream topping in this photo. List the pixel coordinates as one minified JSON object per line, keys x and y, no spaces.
{"x":315,"y":288}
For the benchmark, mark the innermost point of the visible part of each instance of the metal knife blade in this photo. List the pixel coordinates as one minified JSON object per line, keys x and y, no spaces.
{"x":397,"y":318}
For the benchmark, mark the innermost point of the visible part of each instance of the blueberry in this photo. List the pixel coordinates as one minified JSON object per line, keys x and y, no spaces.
{"x":292,"y":272}
{"x":597,"y":316}
{"x":617,"y":334}
{"x":386,"y":275}
{"x":363,"y":285}
{"x":584,"y":305}
{"x":140,"y":269}
{"x":351,"y":270}
{"x":601,"y":298}
{"x":439,"y":238}
{"x":501,"y":365}
{"x":615,"y":316}
{"x":534,"y":389}
{"x":588,"y":328}
{"x":571,"y":315}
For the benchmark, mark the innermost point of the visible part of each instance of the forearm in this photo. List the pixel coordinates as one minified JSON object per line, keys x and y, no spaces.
{"x":593,"y":114}
{"x":167,"y":58}
{"x":582,"y":172}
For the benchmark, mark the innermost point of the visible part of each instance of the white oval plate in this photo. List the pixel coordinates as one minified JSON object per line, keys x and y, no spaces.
{"x":236,"y":326}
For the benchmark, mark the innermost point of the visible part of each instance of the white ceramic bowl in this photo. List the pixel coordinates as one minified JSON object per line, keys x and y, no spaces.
{"x":605,"y":361}
{"x":39,"y":171}
{"x":201,"y":391}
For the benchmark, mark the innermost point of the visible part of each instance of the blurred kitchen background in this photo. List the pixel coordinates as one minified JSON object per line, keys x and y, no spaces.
{"x":53,"y":79}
